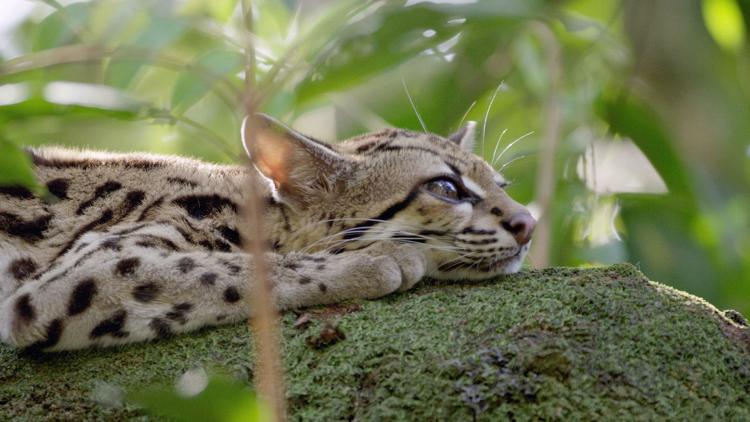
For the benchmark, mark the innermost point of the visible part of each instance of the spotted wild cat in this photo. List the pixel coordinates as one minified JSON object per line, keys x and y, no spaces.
{"x":141,"y":246}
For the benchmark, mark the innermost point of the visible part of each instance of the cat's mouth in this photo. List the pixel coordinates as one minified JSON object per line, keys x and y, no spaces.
{"x":485,"y":266}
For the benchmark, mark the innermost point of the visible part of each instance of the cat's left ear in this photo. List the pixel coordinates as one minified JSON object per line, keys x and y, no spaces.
{"x":299,"y":166}
{"x":464,"y":137}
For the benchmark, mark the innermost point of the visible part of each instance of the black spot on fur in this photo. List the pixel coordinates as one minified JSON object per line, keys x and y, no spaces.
{"x":127,"y":266}
{"x":59,"y":188}
{"x":312,"y":258}
{"x":232,"y":268}
{"x":130,"y":230}
{"x":151,"y":206}
{"x":496,"y":211}
{"x":82,"y":297}
{"x":323,"y":288}
{"x":185,"y":265}
{"x":31,"y":231}
{"x":112,"y":326}
{"x":178,"y":312}
{"x":231,"y":235}
{"x":185,"y":235}
{"x":102,"y":191}
{"x":208,"y":279}
{"x":487,"y":241}
{"x":231,"y":295}
{"x":18,"y":192}
{"x":161,"y":328}
{"x":321,"y":267}
{"x":132,"y":201}
{"x":305,"y":280}
{"x":112,"y":244}
{"x":147,"y":244}
{"x":206,"y":245}
{"x":472,"y":230}
{"x":24,"y":310}
{"x":182,"y":181}
{"x":105,"y":218}
{"x":80,"y":247}
{"x":150,"y":240}
{"x":290,"y":265}
{"x":202,"y":206}
{"x":52,"y":336}
{"x":387,"y":214}
{"x":184,"y":307}
{"x":22,"y":268}
{"x":85,"y":163}
{"x":146,"y":292}
{"x":222,"y":246}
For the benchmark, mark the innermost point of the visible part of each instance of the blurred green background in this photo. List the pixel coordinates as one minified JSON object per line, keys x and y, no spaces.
{"x":632,"y":118}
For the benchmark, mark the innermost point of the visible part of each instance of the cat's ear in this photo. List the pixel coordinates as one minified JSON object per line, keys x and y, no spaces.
{"x":299,"y":166}
{"x":464,"y":137}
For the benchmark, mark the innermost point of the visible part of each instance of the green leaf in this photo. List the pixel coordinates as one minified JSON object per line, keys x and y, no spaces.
{"x":62,"y":27}
{"x":74,"y":100}
{"x":223,"y":400}
{"x":723,"y":19}
{"x":221,"y":10}
{"x":16,"y":168}
{"x":191,"y":86}
{"x":373,"y":43}
{"x":159,"y":33}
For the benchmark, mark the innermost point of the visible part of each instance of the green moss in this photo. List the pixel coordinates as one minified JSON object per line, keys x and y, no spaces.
{"x":569,"y":343}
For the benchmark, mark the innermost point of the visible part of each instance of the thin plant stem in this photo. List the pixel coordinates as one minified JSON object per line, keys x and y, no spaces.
{"x":545,"y":180}
{"x":264,"y":321}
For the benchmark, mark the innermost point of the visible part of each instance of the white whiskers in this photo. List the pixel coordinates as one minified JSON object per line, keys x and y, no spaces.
{"x":413,"y":106}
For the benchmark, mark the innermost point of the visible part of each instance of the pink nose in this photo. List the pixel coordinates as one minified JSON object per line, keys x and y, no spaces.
{"x":520,"y":225}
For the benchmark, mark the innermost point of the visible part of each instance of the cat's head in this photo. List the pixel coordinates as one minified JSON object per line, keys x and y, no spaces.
{"x":395,"y":185}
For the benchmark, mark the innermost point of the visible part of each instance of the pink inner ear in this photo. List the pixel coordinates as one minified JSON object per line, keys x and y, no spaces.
{"x":272,"y":155}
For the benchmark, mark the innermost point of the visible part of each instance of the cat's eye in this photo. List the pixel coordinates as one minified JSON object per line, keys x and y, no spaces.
{"x":503,"y":184}
{"x":444,"y":188}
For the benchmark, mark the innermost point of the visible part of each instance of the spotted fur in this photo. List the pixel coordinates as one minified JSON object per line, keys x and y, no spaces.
{"x":138,"y":247}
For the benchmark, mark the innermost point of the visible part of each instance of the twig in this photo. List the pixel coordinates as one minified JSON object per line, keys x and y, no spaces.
{"x":264,"y":315}
{"x":91,"y":53}
{"x":545,"y":180}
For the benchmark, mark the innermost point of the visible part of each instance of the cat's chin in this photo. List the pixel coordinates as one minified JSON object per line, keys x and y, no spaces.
{"x":481,"y":271}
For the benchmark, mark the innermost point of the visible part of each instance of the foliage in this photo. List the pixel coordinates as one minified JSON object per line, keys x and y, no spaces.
{"x":669,"y":82}
{"x":221,"y":399}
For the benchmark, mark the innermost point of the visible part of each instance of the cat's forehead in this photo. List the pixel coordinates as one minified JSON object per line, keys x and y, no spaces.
{"x":434,"y":149}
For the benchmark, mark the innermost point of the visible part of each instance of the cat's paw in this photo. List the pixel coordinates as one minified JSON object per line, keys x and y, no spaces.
{"x":404,"y":264}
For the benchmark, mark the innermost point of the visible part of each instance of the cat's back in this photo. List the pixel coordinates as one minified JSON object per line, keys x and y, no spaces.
{"x":93,"y":190}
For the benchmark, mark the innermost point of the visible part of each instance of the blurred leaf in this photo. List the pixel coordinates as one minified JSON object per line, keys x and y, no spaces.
{"x":531,"y":65}
{"x":222,"y":400}
{"x":221,"y":10}
{"x":62,"y":27}
{"x":160,"y":32}
{"x":633,"y":119}
{"x":723,"y":19}
{"x":190,"y":87}
{"x":15,"y":167}
{"x":271,"y":20}
{"x":374,"y":42}
{"x":72,"y":99}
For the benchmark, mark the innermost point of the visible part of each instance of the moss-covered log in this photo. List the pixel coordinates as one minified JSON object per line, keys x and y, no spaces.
{"x":558,"y":343}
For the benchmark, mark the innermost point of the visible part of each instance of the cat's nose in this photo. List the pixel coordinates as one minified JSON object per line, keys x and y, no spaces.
{"x":520,"y":225}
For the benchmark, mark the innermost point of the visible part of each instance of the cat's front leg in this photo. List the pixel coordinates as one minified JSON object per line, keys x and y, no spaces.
{"x":124,"y":290}
{"x":373,"y":272}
